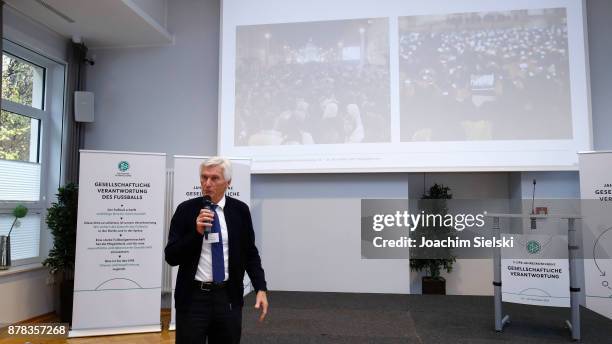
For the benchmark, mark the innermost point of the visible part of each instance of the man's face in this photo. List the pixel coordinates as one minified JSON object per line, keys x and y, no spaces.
{"x":213,"y":183}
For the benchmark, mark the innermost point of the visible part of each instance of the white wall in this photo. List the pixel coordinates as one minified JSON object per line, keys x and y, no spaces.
{"x":34,"y":36}
{"x":156,"y":9}
{"x":160,"y":99}
{"x":25,"y":295}
{"x":165,"y":100}
{"x":310,"y":232}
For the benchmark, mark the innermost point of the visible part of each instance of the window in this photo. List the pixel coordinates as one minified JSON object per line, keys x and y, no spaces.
{"x":32,"y":107}
{"x":22,"y":82}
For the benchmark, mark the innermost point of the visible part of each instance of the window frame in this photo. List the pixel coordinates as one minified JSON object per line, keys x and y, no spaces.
{"x":27,"y":111}
{"x":50,"y":129}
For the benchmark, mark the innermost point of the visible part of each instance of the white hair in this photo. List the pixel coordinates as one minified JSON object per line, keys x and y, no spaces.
{"x":224,"y":163}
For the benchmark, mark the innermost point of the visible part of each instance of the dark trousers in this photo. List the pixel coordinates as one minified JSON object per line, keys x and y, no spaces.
{"x":210,"y":317}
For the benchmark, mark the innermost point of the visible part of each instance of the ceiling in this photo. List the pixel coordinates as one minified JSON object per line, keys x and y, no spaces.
{"x":101,"y":23}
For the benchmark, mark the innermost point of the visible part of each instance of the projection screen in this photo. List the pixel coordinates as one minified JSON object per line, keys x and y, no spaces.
{"x":394,"y":85}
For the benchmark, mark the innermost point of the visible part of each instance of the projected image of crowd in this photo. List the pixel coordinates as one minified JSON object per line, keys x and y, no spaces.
{"x":485,"y":76}
{"x":312,"y":83}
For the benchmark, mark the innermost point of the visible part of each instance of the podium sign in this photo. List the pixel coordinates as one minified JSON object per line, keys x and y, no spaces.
{"x":532,"y":280}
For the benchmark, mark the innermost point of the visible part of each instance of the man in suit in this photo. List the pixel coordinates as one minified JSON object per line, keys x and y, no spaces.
{"x":213,"y":249}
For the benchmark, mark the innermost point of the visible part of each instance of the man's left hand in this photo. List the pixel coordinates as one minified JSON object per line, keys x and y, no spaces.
{"x":261,"y":301}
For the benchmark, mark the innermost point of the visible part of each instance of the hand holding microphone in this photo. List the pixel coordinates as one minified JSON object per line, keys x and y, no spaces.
{"x":205,"y":219}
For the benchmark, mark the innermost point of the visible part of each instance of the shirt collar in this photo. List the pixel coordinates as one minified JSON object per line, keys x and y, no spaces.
{"x":221,"y":203}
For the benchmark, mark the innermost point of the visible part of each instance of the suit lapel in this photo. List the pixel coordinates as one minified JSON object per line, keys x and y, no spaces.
{"x":230,"y":221}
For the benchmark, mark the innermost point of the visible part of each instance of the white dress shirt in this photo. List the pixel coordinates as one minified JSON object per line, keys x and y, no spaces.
{"x":205,"y":272}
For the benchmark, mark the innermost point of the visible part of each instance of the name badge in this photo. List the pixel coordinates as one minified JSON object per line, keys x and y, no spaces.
{"x":212,"y":238}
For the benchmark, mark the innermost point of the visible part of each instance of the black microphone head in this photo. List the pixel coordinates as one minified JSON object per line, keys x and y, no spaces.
{"x":207,"y":201}
{"x":534,"y":182}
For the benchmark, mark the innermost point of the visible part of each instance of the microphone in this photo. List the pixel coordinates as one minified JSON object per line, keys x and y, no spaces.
{"x":533,"y":219}
{"x":206,"y":204}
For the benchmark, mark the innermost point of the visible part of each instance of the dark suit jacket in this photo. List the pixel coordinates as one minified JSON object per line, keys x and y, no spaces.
{"x":185,"y":245}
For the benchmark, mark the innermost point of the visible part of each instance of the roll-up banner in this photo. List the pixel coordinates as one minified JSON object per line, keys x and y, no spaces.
{"x":117,"y":287}
{"x":187,"y":186}
{"x":596,"y":193}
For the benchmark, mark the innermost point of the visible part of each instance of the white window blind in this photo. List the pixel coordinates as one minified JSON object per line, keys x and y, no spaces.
{"x":25,"y":238}
{"x":20,"y":181}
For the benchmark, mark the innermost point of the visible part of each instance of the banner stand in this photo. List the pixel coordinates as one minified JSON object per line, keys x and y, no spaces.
{"x":119,"y":243}
{"x":573,"y":247}
{"x":596,"y":196}
{"x":115,"y":331}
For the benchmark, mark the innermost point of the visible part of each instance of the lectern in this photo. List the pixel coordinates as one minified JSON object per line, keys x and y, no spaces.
{"x":500,"y":319}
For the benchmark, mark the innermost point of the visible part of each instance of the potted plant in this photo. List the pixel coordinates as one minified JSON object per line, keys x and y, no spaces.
{"x":5,"y":240}
{"x":433,"y":260}
{"x":62,"y":221}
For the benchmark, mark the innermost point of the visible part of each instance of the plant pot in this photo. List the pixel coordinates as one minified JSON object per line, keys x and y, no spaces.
{"x":66,"y":294}
{"x":5,"y":252}
{"x":433,"y":286}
